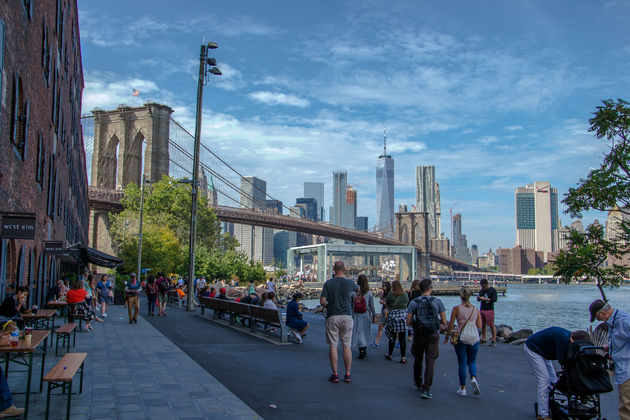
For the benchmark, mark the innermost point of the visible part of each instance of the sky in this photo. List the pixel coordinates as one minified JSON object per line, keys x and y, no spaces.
{"x":494,"y":94}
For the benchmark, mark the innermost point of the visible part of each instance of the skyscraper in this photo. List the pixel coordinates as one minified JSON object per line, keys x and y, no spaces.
{"x":350,"y":208}
{"x":460,"y":244}
{"x":254,"y":241}
{"x":537,"y":217}
{"x":385,"y":191}
{"x":315,"y":190}
{"x":341,"y":214}
{"x":427,"y":197}
{"x":309,"y":205}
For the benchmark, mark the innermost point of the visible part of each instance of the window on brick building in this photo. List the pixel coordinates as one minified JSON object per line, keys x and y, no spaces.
{"x":45,"y":53}
{"x":50,"y":204}
{"x":28,"y":8}
{"x":41,"y":161}
{"x":53,"y":111}
{"x":19,"y":117}
{"x":1,"y":55}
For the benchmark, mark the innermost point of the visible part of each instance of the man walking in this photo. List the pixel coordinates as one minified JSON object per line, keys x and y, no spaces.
{"x":337,"y":301}
{"x":618,"y":348}
{"x":487,"y":297}
{"x":163,"y":287}
{"x":427,"y":315}
{"x":132,"y":288}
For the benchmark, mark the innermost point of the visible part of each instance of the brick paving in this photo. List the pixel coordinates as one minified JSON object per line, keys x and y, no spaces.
{"x":134,"y":372}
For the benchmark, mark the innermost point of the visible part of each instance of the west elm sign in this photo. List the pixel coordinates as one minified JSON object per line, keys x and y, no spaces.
{"x":18,"y":226}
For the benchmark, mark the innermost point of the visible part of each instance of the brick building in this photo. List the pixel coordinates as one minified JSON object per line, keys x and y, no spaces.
{"x":42,"y":170}
{"x":519,"y":260}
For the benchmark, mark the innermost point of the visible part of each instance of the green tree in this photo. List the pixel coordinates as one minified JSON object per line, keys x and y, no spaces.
{"x":605,"y":188}
{"x":161,"y":251}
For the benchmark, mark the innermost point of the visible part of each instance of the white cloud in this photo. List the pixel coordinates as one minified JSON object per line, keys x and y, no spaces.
{"x":274,"y":98}
{"x":514,"y":127}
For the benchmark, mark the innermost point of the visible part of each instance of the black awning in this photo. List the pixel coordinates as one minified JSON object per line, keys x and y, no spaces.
{"x":91,"y":255}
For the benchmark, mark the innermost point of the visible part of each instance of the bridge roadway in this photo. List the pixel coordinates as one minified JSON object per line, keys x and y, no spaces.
{"x":109,"y":200}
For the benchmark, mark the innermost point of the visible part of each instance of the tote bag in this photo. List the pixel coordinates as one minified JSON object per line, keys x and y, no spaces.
{"x":469,"y":334}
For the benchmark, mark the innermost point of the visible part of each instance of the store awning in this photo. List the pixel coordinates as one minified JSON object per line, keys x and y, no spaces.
{"x":92,"y":256}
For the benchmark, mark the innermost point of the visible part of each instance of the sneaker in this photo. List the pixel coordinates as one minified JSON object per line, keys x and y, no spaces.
{"x":374,"y":344}
{"x":347,"y":378}
{"x":334,"y":379}
{"x":10,"y":412}
{"x":388,"y":357}
{"x":461,"y":392}
{"x":482,"y":341}
{"x":403,"y":361}
{"x":475,"y":386}
{"x":426,"y":395}
{"x":492,"y":344}
{"x":104,"y":315}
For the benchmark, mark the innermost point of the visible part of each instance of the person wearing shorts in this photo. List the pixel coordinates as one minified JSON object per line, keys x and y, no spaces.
{"x":487,"y":297}
{"x":338,"y":303}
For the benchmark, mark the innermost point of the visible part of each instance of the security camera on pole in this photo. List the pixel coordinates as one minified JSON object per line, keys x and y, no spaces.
{"x":204,"y":61}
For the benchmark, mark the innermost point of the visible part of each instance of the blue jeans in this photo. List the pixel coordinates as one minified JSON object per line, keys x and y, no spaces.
{"x":6,"y":400}
{"x":151,"y":301}
{"x":466,"y":356}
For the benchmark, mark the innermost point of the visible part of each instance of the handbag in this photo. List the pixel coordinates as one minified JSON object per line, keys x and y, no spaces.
{"x":454,"y":337}
{"x":469,"y":334}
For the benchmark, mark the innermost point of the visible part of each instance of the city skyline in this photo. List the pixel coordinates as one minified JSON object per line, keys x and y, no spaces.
{"x":494,"y":96}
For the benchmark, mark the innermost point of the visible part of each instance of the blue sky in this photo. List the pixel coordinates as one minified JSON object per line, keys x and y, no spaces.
{"x":495,"y":94}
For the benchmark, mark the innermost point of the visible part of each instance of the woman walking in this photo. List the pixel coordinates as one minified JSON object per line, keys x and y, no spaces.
{"x":105,"y":294}
{"x":396,"y":323}
{"x":363,"y":314}
{"x":466,"y":353}
{"x":151,"y":290}
{"x":386,"y":287}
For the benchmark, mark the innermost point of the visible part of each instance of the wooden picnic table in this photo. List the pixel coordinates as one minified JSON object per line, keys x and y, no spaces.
{"x":44,"y":319}
{"x":23,"y":355}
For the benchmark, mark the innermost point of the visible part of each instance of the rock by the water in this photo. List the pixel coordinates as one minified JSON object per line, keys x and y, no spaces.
{"x":517,"y":342}
{"x":518,"y":335}
{"x":504,"y":330}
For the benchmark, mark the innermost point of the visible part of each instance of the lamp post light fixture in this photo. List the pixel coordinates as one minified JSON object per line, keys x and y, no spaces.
{"x":139,"y":272}
{"x":204,"y":62}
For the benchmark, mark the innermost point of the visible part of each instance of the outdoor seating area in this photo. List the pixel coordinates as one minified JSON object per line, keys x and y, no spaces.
{"x":240,"y":312}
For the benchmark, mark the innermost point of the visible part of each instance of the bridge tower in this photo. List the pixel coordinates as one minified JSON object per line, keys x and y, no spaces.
{"x":117,"y":158}
{"x":413,"y":228}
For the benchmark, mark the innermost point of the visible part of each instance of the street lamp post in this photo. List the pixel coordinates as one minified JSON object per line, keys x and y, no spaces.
{"x":204,"y":61}
{"x":139,"y":273}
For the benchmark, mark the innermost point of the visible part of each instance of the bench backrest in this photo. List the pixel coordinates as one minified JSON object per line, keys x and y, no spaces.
{"x":214,"y":303}
{"x":265,"y":314}
{"x":238,"y":308}
{"x":66,"y":368}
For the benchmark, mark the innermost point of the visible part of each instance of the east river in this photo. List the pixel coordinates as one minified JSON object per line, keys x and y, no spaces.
{"x":538,"y":306}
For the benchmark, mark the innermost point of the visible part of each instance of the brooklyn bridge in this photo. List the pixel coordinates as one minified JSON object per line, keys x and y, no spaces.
{"x":123,"y":143}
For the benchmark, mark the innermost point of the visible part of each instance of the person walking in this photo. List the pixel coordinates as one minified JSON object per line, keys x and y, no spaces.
{"x":335,"y":298}
{"x":386,"y":287}
{"x":362,"y":315}
{"x":151,"y":291}
{"x":163,"y":286}
{"x":487,"y":296}
{"x":132,"y":289}
{"x":618,"y":349}
{"x":427,"y":315}
{"x":396,"y":323}
{"x":465,"y":313}
{"x":105,"y":294}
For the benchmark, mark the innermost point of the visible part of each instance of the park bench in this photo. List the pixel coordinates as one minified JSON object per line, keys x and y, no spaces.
{"x":255,"y":314}
{"x":173,"y":297}
{"x":64,"y":332}
{"x":61,"y":376}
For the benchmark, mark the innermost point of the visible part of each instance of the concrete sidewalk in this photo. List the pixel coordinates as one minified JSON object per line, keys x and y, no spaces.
{"x":293,"y":378}
{"x":133,"y":371}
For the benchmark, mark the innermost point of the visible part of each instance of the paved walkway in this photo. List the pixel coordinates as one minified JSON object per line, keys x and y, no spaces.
{"x":134,"y":372}
{"x":293,"y":378}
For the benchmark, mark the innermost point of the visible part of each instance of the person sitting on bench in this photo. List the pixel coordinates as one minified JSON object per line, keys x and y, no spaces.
{"x":76,"y":296}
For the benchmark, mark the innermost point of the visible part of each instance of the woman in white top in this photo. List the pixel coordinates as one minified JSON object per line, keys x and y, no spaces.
{"x":466,"y":353}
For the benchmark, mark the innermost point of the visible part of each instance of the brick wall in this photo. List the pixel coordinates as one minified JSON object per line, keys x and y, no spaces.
{"x":42,"y":169}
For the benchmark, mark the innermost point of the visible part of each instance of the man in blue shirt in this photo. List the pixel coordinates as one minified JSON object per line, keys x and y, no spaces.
{"x":542,"y":347}
{"x":618,"y":348}
{"x":132,"y":288}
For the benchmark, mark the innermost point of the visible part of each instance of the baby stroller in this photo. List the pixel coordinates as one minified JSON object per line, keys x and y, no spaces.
{"x":583,"y":377}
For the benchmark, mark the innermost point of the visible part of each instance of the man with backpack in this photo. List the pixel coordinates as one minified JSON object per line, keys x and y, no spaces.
{"x":427,"y":315}
{"x":163,"y":287}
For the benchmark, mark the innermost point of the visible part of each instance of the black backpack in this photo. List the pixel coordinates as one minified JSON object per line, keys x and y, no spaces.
{"x":425,"y":319}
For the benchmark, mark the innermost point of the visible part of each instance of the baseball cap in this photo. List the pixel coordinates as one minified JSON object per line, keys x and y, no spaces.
{"x":133,"y":274}
{"x":595,"y":307}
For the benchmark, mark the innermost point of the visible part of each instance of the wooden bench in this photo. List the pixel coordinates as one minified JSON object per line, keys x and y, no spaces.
{"x":61,"y":376}
{"x":64,"y":332}
{"x":173,"y":296}
{"x":254,"y":313}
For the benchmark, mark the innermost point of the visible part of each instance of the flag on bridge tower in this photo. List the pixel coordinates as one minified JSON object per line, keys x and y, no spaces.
{"x":135,"y":92}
